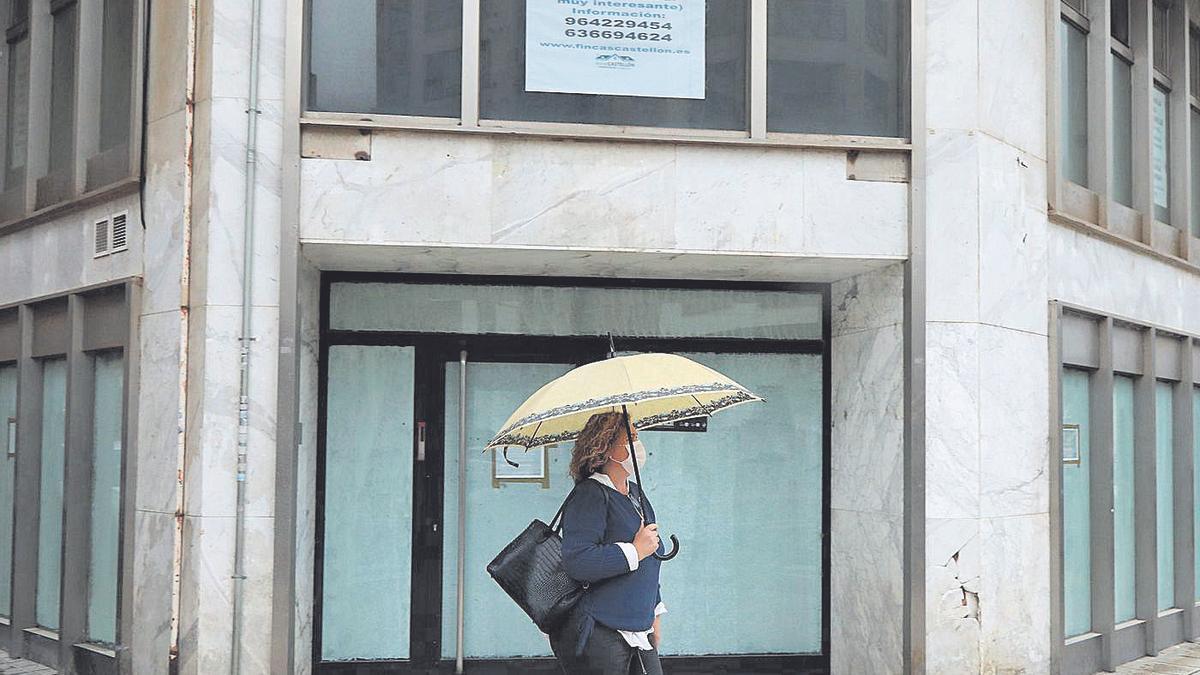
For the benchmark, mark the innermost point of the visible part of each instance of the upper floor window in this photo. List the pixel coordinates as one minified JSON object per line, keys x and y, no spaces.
{"x":67,"y":124}
{"x":1127,"y":119}
{"x":832,"y":66}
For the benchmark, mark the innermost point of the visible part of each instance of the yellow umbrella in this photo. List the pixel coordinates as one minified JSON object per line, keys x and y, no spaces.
{"x":650,"y":389}
{"x":655,"y":389}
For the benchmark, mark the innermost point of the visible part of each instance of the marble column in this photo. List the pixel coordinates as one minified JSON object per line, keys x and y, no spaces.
{"x":987,"y":528}
{"x":218,"y":279}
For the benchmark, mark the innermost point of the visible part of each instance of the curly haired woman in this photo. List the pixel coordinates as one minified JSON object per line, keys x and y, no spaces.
{"x":615,"y":629}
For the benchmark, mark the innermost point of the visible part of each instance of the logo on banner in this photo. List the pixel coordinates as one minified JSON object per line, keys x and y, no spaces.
{"x":618,"y":61}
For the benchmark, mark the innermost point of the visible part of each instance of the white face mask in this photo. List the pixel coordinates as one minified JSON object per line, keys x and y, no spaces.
{"x":627,"y":463}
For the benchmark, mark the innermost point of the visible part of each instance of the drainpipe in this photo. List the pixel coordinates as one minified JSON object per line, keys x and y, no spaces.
{"x":239,"y":546}
{"x":185,"y":277}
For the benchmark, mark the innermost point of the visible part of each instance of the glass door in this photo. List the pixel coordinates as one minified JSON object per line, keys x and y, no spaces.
{"x":491,"y":501}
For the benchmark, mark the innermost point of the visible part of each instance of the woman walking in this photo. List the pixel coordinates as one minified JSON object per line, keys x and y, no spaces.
{"x":615,"y":629}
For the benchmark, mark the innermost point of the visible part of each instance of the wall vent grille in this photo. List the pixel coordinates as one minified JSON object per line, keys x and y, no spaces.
{"x":101,"y":230}
{"x":119,"y":241}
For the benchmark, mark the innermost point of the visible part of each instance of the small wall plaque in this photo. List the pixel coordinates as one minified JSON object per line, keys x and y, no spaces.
{"x":532,"y":466}
{"x":1071,"y":450}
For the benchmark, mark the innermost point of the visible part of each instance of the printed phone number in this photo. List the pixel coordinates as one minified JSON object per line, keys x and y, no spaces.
{"x":617,"y":23}
{"x":617,"y":35}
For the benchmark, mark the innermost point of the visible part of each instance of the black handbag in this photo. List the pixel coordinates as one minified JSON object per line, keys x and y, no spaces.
{"x":530,"y":570}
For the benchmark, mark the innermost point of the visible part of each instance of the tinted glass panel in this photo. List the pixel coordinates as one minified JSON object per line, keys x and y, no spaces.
{"x":1196,"y":481}
{"x":552,"y":310}
{"x":1120,"y":20}
{"x":1074,"y":87}
{"x":107,"y":425}
{"x":116,"y":73}
{"x":367,"y":548}
{"x":50,"y":505}
{"x":8,"y":463}
{"x":1164,"y":472}
{"x":502,"y":78}
{"x":1195,"y":158}
{"x":1160,"y":140}
{"x":1124,"y":516}
{"x":1122,"y":121}
{"x":17,"y":127}
{"x":1162,"y":37}
{"x":400,"y":57}
{"x":62,"y":89}
{"x":1076,"y":493}
{"x":836,"y":66}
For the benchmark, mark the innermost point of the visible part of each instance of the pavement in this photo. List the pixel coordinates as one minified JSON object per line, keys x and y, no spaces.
{"x":1181,"y":659}
{"x":11,"y":666}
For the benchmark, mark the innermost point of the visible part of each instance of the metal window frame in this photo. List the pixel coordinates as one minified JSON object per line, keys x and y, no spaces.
{"x":1093,"y":209}
{"x":469,"y":121}
{"x":115,"y":329}
{"x":82,"y":192}
{"x":1159,"y":353}
{"x":433,"y":350}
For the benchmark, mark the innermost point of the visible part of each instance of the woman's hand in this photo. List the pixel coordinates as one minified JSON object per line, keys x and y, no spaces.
{"x":646,"y":540}
{"x":656,"y":636}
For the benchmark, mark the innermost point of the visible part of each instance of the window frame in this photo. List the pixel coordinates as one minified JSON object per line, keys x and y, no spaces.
{"x":92,"y":174}
{"x":1109,"y":346}
{"x":75,"y":325}
{"x":756,"y":132}
{"x":434,"y":349}
{"x":1095,"y":208}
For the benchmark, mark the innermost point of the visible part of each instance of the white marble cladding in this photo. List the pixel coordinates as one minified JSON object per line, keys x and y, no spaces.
{"x":57,"y":255}
{"x":867,"y":406}
{"x":421,"y":187}
{"x":1113,"y":279}
{"x":987,"y":383}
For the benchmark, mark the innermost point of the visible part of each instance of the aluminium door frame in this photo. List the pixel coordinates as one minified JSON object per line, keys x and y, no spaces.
{"x":432,"y":352}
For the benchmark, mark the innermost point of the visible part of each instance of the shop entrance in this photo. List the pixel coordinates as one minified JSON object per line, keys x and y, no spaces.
{"x":401,"y":472}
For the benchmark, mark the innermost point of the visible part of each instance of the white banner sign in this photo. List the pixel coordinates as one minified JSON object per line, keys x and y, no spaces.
{"x":616,"y":47}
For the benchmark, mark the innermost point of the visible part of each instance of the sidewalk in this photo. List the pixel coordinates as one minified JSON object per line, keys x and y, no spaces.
{"x":11,"y":666}
{"x":1181,"y":659}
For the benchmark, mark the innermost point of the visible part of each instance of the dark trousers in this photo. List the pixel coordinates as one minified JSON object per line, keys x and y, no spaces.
{"x":606,"y":653}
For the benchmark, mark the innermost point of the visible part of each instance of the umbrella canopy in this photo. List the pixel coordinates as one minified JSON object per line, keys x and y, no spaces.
{"x":655,"y":389}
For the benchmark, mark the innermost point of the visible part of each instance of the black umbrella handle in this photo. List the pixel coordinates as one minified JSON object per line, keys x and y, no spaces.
{"x":642,"y":493}
{"x":674,"y":550}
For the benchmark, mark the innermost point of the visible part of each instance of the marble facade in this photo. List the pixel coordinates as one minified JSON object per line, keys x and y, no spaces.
{"x":476,"y":203}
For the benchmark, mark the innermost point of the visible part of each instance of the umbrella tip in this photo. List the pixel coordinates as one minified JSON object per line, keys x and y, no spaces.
{"x":612,"y":349}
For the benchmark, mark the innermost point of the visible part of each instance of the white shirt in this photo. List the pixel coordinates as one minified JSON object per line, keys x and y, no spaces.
{"x":641,"y":638}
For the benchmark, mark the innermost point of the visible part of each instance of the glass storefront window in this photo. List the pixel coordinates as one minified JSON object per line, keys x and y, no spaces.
{"x":367,"y":547}
{"x":399,"y":57}
{"x":1076,"y":495}
{"x":1164,"y":471}
{"x":50,"y":504}
{"x":691,"y":495}
{"x":832,"y":67}
{"x":8,"y":465}
{"x":835,"y":67}
{"x":1073,"y":145}
{"x":107,"y":426}
{"x":1124,"y":520}
{"x":1122,"y":120}
{"x":568,"y":310}
{"x":503,"y":95}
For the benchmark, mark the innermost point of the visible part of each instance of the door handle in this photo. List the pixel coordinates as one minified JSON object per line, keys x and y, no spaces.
{"x":421,"y":441}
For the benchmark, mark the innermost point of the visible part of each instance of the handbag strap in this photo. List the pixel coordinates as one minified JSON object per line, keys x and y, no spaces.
{"x":558,"y":516}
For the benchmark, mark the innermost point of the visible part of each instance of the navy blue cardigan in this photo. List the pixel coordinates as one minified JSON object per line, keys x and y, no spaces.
{"x":595,"y":518}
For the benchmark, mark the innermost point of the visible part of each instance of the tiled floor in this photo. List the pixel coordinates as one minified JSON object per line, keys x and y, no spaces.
{"x":1181,"y":659}
{"x":11,"y":666}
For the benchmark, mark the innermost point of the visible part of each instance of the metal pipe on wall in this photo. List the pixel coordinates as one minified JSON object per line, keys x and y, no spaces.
{"x":462,"y":505}
{"x":239,"y":546}
{"x":185,"y":302}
